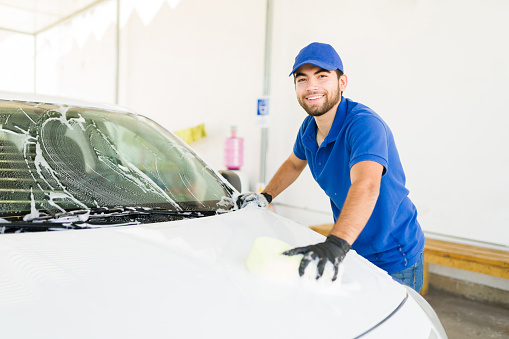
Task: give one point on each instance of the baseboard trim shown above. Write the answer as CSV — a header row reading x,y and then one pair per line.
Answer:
x,y
470,290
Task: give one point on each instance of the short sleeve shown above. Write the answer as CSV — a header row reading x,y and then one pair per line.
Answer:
x,y
368,140
298,147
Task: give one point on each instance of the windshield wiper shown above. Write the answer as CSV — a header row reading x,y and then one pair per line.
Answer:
x,y
84,218
105,212
15,227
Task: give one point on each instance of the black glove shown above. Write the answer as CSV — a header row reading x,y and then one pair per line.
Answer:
x,y
333,249
260,199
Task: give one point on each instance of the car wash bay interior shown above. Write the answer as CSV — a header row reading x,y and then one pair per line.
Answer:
x,y
436,71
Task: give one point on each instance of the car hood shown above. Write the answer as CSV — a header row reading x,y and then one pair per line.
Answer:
x,y
180,279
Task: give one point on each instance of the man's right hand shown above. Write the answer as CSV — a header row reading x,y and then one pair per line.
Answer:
x,y
333,250
257,199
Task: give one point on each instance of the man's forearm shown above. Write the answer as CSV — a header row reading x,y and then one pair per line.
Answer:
x,y
356,211
285,176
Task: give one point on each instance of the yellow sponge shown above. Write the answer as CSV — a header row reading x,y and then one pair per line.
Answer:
x,y
266,259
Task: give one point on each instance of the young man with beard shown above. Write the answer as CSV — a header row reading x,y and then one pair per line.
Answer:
x,y
352,155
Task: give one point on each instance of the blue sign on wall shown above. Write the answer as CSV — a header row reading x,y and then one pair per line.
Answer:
x,y
263,106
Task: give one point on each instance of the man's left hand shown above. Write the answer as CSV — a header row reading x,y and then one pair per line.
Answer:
x,y
257,199
333,250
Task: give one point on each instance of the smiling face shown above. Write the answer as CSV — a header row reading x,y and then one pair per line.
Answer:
x,y
318,90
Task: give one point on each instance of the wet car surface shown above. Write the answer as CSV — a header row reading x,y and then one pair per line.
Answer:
x,y
113,227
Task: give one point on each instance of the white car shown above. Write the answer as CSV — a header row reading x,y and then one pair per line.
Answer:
x,y
112,227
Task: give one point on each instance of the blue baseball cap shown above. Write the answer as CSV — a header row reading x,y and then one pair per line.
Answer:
x,y
318,54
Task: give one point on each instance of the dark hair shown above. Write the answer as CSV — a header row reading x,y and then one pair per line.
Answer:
x,y
339,73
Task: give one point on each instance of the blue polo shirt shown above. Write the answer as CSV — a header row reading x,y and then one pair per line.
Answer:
x,y
392,238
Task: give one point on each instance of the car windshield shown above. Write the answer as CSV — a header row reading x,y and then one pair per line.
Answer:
x,y
55,159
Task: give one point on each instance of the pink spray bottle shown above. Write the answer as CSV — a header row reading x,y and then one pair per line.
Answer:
x,y
233,150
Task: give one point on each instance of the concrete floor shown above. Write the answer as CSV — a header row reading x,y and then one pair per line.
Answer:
x,y
464,319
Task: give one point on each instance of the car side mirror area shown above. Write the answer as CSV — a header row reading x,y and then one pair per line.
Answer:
x,y
233,178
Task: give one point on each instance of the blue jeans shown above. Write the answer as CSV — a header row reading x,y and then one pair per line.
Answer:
x,y
411,276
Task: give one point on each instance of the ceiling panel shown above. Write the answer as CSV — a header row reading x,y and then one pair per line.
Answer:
x,y
33,16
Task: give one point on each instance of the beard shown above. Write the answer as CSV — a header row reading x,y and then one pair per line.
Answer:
x,y
331,99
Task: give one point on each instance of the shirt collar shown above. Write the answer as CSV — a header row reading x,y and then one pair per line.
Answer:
x,y
337,124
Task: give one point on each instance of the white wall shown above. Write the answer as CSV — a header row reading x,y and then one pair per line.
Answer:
x,y
16,62
77,58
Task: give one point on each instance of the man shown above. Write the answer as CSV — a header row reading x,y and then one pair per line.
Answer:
x,y
352,155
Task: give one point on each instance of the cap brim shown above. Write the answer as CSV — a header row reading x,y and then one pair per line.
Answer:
x,y
317,63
